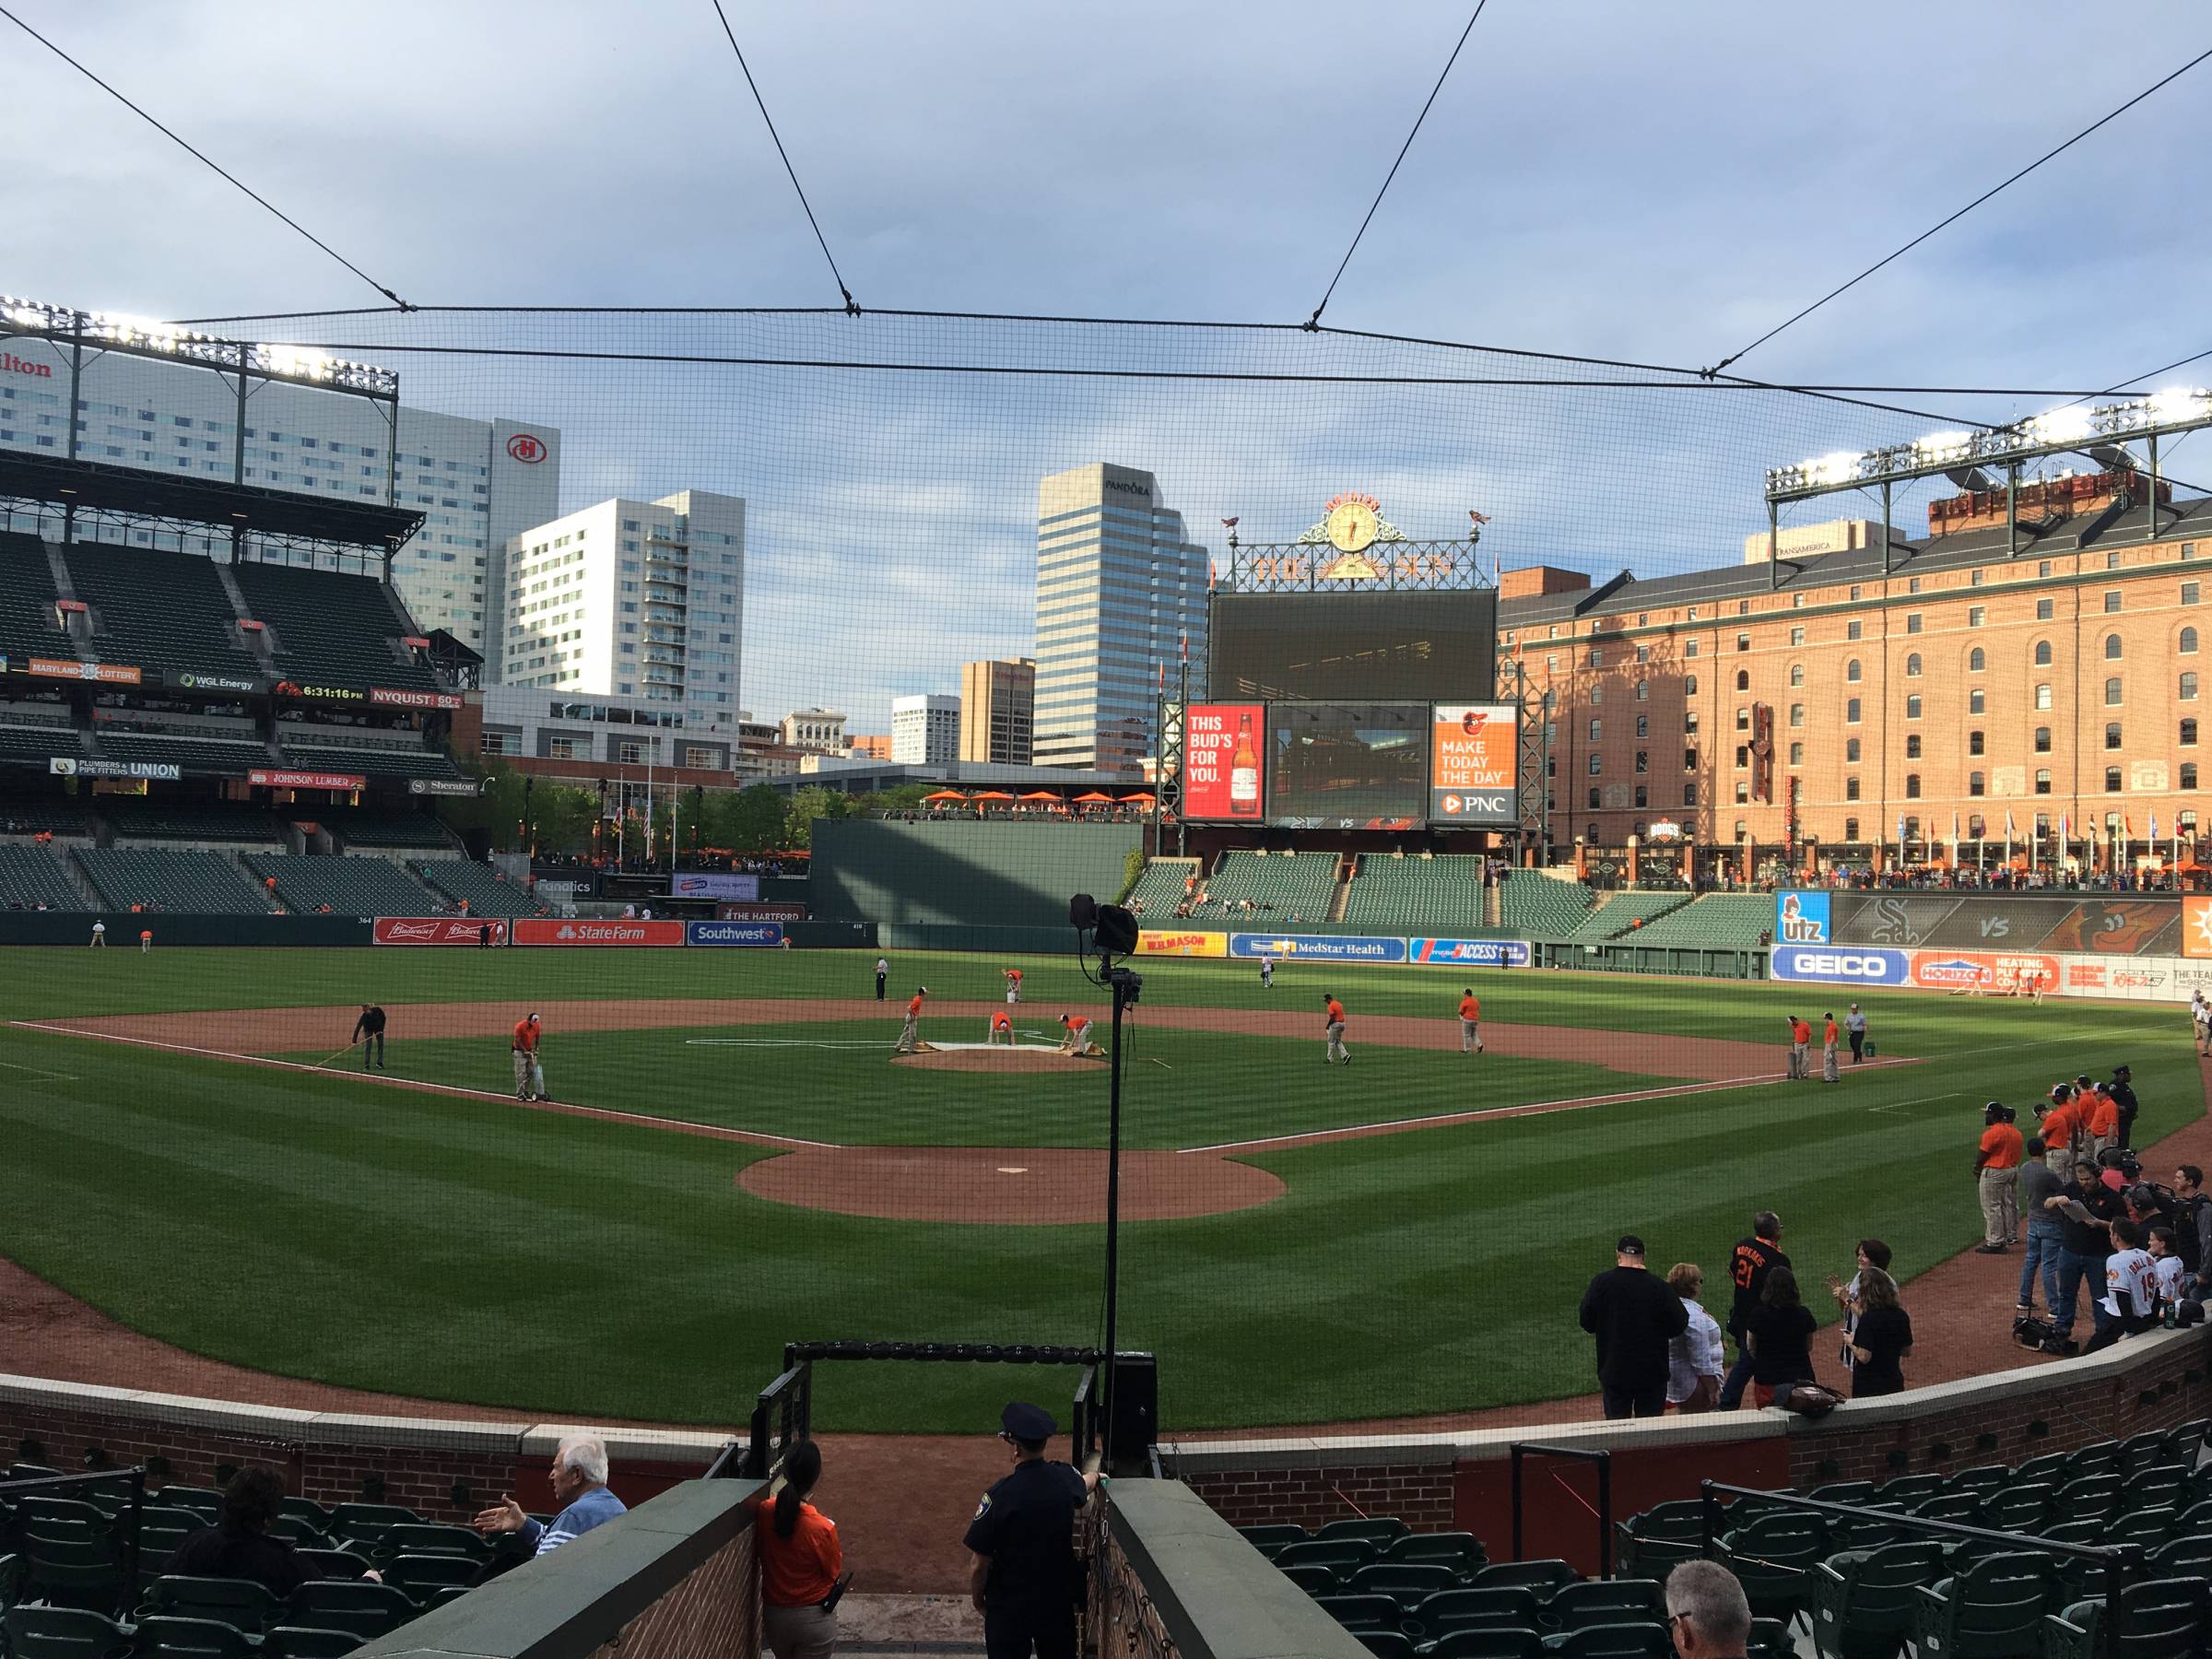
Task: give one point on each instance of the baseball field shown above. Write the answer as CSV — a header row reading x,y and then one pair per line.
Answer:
x,y
733,1159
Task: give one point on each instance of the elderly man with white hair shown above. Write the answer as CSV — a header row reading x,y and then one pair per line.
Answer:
x,y
1707,1613
579,1487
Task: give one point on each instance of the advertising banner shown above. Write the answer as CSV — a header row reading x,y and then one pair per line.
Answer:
x,y
756,934
1223,774
2131,978
1150,943
1317,947
77,766
705,883
1801,918
105,674
1888,919
534,930
216,682
284,778
413,699
445,787
315,691
436,930
1474,756
749,910
2113,927
1983,971
2196,928
1471,953
1842,965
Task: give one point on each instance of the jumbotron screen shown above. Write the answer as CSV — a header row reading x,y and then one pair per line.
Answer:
x,y
1352,647
1347,766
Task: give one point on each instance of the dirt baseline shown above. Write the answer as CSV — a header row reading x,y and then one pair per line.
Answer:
x,y
970,1058
999,1186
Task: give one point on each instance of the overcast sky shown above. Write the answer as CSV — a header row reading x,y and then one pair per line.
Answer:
x,y
1620,179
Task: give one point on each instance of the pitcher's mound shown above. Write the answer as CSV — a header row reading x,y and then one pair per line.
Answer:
x,y
985,1058
1019,1185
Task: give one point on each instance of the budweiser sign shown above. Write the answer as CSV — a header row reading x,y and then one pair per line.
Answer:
x,y
436,930
106,674
284,778
413,699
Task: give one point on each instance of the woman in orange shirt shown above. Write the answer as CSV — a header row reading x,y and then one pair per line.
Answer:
x,y
800,1560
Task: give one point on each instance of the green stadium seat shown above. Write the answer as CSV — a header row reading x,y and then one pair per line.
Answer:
x,y
1865,1491
64,1633
1994,1609
1715,922
1160,889
179,882
1511,1606
158,610
2092,1498
487,892
349,887
1287,891
1462,1552
31,877
364,1523
1486,1642
1357,1612
1314,1579
337,1563
428,1537
203,1502
1406,1582
1651,1543
302,1641
2188,1557
369,826
251,1606
1442,895
28,627
1540,906
1609,1601
2052,1469
161,1529
1342,1557
1381,1532
1962,1508
422,1576
2017,1508
333,627
1617,915
1623,1640
1544,1577
152,820
71,1564
306,1509
361,1607
180,1636
1772,1554
1386,1644
1992,1477
2159,1618
1769,1639
1270,1538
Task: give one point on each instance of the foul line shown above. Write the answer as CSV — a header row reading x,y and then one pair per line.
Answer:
x,y
38,1071
1388,1125
558,1107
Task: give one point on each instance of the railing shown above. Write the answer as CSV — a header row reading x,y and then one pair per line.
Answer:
x,y
782,1417
1603,1460
2120,1561
38,1485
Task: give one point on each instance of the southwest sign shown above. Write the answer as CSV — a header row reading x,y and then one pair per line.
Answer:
x,y
105,674
755,936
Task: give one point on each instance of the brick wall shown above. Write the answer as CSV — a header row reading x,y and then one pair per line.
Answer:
x,y
713,1614
1418,1493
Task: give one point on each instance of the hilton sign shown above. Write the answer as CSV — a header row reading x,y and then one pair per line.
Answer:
x,y
15,365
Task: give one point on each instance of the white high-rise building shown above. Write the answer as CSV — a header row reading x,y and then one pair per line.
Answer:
x,y
632,599
925,731
1118,589
477,483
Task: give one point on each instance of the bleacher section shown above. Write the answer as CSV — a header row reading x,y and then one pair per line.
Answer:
x,y
332,627
158,610
488,895
1159,889
27,597
187,820
205,756
1001,875
31,877
1716,921
33,746
1542,906
350,887
1617,916
371,763
1300,888
1418,895
366,826
186,883
53,818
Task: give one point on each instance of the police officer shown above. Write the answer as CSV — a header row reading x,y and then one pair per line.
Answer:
x,y
2121,1089
1025,1578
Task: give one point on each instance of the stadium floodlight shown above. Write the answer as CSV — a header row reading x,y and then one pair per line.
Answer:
x,y
2070,424
147,336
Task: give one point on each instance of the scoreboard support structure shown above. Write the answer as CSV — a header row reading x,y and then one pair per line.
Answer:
x,y
1532,774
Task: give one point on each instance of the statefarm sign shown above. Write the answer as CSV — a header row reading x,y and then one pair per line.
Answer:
x,y
284,778
537,931
435,930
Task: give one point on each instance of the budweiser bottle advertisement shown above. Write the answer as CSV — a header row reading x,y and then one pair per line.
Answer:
x,y
1244,773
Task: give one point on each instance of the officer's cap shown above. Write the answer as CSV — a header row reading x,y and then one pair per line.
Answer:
x,y
1028,1422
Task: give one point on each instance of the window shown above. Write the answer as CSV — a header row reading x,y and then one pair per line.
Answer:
x,y
2188,693
1796,674
1977,701
1593,797
1853,629
1851,751
2111,602
1974,743
1597,657
2042,568
1851,829
1690,647
1974,784
1743,679
2042,825
1976,615
1797,714
2111,693
2189,733
2042,780
2042,697
2112,734
1597,730
1912,707
1743,607
2186,823
2188,774
1857,593
1913,618
1912,746
1690,795
1975,826
1912,584
1742,720
1743,641
1851,671
1913,667
2189,592
1741,831
1643,725
1643,691
1912,829
1689,759
2186,643
1690,685
1851,788
2043,740
1743,797
2111,648
1596,765
1911,786
1796,636
1643,798
1977,660
1743,756
2111,780
1851,712
1643,760
2043,610
1797,754
2043,653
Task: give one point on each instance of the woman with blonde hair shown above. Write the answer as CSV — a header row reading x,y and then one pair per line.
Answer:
x,y
1693,1375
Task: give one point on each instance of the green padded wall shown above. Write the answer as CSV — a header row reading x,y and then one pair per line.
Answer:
x,y
998,874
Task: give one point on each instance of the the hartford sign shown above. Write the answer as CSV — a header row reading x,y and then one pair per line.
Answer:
x,y
436,930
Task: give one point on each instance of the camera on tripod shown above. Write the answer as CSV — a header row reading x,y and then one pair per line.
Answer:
x,y
1114,932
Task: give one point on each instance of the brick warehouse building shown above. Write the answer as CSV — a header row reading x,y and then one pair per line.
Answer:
x,y
1812,702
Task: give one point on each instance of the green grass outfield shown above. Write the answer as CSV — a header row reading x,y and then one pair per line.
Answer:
x,y
460,1248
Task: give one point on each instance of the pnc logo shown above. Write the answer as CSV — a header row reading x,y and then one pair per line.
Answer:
x,y
526,449
15,365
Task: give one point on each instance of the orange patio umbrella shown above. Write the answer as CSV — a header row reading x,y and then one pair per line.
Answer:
x,y
991,794
1094,799
1046,795
944,795
1136,800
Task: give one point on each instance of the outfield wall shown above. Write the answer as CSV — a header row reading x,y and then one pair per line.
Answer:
x,y
982,873
75,927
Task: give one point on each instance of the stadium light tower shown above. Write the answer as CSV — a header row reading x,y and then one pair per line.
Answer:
x,y
2098,429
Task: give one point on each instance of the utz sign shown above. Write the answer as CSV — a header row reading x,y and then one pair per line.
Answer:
x,y
1802,918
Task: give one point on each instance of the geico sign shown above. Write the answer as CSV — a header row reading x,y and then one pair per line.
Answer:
x,y
1841,964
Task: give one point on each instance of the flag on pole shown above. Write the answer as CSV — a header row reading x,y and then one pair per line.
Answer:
x,y
2154,829
2009,837
1954,838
